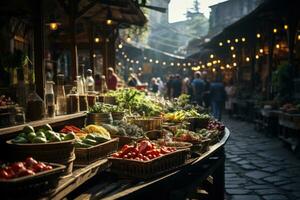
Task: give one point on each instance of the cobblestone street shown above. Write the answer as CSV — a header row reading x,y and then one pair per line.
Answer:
x,y
258,166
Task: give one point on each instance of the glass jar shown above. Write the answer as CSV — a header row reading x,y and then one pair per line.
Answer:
x,y
49,97
35,109
72,103
89,82
80,85
61,100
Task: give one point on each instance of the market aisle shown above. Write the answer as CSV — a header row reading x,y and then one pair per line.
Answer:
x,y
259,167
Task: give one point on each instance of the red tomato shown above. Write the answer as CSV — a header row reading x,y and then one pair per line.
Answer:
x,y
48,167
125,156
129,155
146,158
4,174
30,162
38,167
115,155
150,156
17,167
133,154
26,172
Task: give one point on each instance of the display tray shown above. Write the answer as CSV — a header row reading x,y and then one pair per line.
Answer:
x,y
85,156
29,186
149,169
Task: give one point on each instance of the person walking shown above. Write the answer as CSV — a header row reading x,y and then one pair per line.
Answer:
x,y
206,93
154,85
169,86
198,88
230,92
176,86
161,86
112,80
218,96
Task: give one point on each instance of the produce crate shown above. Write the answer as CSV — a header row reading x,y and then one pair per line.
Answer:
x,y
85,156
148,124
149,169
55,152
125,140
31,186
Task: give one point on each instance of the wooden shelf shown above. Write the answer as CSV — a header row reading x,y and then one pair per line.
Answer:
x,y
57,119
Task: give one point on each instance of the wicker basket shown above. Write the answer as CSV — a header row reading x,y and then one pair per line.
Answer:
x,y
53,152
125,140
85,156
98,118
149,169
30,187
148,124
117,115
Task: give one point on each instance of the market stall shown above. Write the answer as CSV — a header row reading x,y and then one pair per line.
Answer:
x,y
117,151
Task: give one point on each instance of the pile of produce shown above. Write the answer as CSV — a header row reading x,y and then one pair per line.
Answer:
x,y
105,108
183,115
127,129
19,169
5,101
187,136
290,108
216,125
45,134
145,150
136,101
94,135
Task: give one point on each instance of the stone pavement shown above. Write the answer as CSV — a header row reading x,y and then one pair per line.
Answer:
x,y
259,167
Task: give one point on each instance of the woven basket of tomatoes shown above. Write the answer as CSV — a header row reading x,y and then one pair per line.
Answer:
x,y
146,159
28,178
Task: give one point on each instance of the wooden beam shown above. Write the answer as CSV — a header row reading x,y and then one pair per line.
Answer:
x,y
91,46
39,66
73,47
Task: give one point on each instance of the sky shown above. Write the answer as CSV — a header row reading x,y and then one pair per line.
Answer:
x,y
177,8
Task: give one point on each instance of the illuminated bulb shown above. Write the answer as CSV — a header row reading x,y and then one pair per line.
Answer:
x,y
215,62
203,66
123,53
200,62
94,55
298,37
53,26
164,63
172,64
184,69
178,64
150,60
128,39
274,30
120,46
258,35
220,44
233,55
189,64
145,58
222,68
243,39
228,41
277,46
257,56
127,59
261,50
132,61
109,22
228,66
156,61
213,69
119,63
209,64
234,64
184,64
97,40
247,59
137,62
232,48
236,40
219,61
125,56
211,56
286,26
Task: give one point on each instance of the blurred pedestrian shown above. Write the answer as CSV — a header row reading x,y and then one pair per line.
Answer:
x,y
154,85
218,96
230,92
132,82
161,85
198,88
112,79
206,93
176,86
169,85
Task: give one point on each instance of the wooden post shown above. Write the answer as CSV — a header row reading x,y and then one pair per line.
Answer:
x,y
291,34
253,59
73,46
91,46
39,65
270,60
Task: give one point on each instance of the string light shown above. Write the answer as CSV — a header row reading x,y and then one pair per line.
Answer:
x,y
203,66
145,58
127,59
274,30
236,40
228,41
215,62
243,39
164,63
120,46
119,63
137,62
128,39
222,67
219,61
109,22
94,55
247,59
220,44
298,37
228,66
97,40
233,55
232,48
125,56
211,56
285,27
132,61
172,64
156,61
214,69
189,64
257,56
200,62
258,35
150,60
261,50
209,64
184,64
178,64
277,46
234,64
123,53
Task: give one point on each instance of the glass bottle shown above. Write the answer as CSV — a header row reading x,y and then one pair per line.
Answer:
x,y
49,97
80,86
73,100
90,82
35,108
61,101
